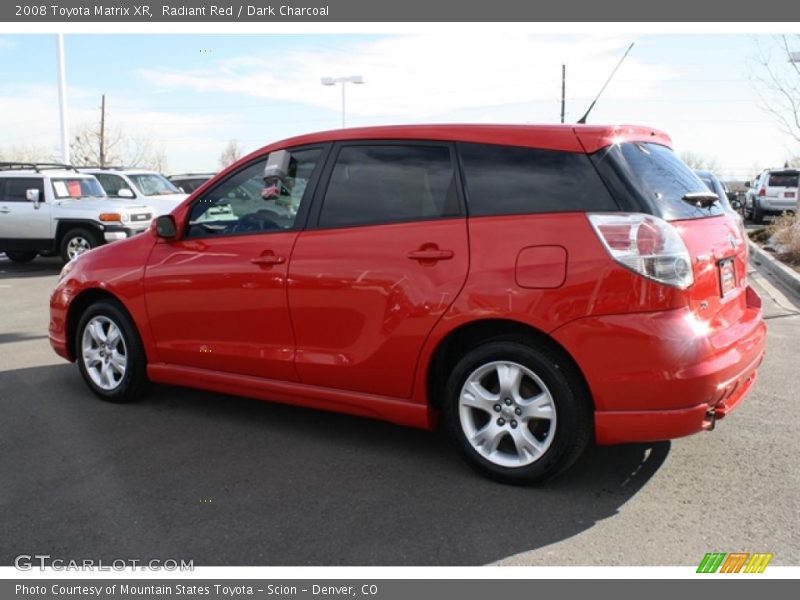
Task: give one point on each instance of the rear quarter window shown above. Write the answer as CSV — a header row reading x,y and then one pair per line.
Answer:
x,y
507,180
657,179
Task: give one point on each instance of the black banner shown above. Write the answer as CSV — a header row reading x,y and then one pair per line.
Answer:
x,y
393,589
337,11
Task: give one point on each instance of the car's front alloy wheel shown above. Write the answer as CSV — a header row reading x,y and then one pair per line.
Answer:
x,y
104,353
109,352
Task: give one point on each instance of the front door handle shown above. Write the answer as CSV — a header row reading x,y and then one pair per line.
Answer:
x,y
268,259
4,210
431,254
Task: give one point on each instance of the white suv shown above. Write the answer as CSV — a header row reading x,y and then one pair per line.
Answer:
x,y
139,185
53,209
773,192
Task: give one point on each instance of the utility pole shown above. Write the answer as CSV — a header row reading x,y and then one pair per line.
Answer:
x,y
103,131
563,89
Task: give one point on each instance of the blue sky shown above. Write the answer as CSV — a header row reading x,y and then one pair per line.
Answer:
x,y
192,93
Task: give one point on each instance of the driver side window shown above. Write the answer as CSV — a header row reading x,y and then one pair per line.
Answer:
x,y
246,203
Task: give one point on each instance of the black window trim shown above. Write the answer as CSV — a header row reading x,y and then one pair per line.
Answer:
x,y
306,203
325,178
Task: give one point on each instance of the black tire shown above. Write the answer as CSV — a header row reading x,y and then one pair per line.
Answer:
x,y
758,214
21,257
569,398
80,236
130,385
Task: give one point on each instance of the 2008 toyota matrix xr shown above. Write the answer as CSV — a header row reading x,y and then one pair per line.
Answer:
x,y
533,287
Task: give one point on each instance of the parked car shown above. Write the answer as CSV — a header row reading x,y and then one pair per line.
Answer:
x,y
50,209
713,183
140,186
532,287
189,182
773,192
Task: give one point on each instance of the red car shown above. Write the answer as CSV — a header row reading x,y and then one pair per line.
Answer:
x,y
533,287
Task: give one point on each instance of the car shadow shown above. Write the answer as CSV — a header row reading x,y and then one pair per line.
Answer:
x,y
222,480
38,267
12,337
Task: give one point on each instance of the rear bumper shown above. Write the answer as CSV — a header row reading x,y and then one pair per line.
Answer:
x,y
615,427
659,376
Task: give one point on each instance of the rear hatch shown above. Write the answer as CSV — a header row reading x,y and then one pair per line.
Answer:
x,y
781,188
713,236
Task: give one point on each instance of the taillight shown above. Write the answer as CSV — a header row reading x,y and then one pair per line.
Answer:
x,y
646,245
762,192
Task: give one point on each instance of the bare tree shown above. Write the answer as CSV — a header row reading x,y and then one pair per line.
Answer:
x,y
792,162
28,153
231,154
775,73
119,148
697,161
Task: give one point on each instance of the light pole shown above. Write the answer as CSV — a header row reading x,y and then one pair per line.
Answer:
x,y
358,79
62,98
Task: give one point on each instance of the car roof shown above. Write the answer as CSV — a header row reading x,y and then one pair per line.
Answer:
x,y
573,138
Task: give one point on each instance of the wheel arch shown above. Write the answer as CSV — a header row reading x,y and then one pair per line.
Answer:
x,y
470,335
79,305
65,225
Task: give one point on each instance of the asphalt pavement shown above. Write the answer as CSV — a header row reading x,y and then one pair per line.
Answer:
x,y
221,480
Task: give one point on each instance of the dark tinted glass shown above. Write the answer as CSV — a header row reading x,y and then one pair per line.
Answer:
x,y
389,183
787,179
112,184
16,188
662,180
503,180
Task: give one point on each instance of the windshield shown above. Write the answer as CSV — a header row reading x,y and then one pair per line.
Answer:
x,y
153,184
662,180
77,187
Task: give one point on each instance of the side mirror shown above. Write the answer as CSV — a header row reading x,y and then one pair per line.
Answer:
x,y
125,193
32,195
736,204
748,184
165,227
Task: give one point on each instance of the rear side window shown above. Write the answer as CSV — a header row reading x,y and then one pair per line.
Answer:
x,y
786,179
388,183
661,180
16,188
506,180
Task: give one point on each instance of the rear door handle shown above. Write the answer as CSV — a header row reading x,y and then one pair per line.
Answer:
x,y
4,210
268,259
431,254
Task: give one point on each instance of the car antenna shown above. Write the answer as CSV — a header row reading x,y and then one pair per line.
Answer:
x,y
582,120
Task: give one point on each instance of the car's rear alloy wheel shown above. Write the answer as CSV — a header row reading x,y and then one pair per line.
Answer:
x,y
109,352
507,413
519,413
20,256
